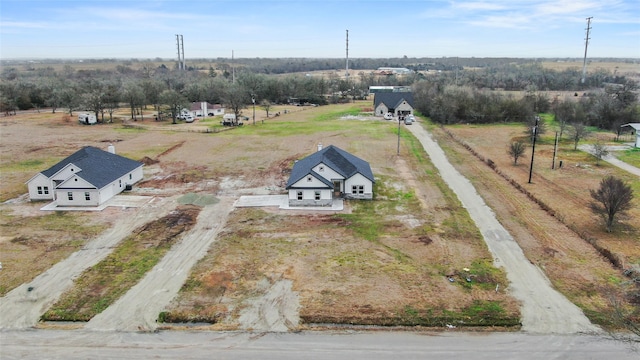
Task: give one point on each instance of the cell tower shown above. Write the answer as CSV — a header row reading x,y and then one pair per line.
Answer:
x,y
586,44
347,66
180,43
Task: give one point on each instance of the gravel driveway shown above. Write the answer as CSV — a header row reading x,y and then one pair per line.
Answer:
x,y
544,310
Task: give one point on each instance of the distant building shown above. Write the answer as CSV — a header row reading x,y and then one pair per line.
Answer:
x,y
392,71
88,177
203,108
397,103
635,129
330,172
379,89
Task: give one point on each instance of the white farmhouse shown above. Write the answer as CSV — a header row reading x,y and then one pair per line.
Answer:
x,y
396,103
88,177
328,173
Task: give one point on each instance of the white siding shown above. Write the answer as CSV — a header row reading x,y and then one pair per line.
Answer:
x,y
40,188
358,180
305,183
327,172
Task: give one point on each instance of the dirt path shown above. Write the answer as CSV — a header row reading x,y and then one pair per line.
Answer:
x,y
22,307
138,309
275,311
544,310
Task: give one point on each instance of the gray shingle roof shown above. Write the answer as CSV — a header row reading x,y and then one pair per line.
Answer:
x,y
392,99
337,159
99,167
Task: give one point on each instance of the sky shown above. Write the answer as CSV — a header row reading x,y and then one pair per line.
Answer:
x,y
147,29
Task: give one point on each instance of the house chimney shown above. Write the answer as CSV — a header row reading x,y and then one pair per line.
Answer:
x,y
319,146
111,149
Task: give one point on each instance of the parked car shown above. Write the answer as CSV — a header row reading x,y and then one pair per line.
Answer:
x,y
408,121
188,118
388,116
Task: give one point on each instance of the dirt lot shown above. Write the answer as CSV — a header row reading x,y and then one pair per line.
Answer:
x,y
400,271
384,264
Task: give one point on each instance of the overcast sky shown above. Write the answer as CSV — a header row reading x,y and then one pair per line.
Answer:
x,y
317,29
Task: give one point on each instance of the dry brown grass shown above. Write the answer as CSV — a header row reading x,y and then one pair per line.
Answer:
x,y
557,244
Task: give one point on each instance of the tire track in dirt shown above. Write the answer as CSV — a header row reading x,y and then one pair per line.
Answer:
x,y
22,307
139,308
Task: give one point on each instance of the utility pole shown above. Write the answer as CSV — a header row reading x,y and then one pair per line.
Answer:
x,y
533,150
184,67
586,44
233,69
346,74
253,100
178,44
555,151
398,152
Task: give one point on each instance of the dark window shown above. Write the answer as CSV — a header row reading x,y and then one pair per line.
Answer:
x,y
46,190
299,195
317,195
70,196
87,196
39,190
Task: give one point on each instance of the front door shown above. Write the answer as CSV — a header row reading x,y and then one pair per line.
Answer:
x,y
337,188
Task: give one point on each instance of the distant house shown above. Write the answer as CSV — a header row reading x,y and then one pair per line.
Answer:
x,y
635,129
328,173
88,177
397,103
203,109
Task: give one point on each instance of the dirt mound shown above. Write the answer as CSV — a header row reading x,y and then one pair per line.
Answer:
x,y
148,161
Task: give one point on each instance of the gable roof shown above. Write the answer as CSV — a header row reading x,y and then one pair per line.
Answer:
x,y
337,159
98,167
635,126
392,99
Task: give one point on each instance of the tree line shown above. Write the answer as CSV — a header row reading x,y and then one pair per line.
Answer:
x,y
452,93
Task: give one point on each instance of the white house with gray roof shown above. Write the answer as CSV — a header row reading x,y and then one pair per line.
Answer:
x,y
330,172
397,103
89,177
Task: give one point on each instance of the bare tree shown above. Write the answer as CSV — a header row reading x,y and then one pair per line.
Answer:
x,y
266,106
175,101
516,150
599,150
611,199
578,132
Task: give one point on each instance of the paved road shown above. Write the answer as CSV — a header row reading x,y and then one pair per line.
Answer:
x,y
83,344
612,159
544,310
22,307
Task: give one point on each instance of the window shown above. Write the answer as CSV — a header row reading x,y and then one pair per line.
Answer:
x,y
130,176
361,189
46,190
87,196
70,196
120,182
317,195
354,189
309,179
357,189
299,195
39,190
321,168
